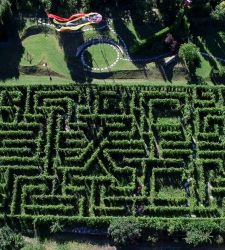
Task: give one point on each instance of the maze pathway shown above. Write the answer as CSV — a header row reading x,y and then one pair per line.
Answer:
x,y
76,153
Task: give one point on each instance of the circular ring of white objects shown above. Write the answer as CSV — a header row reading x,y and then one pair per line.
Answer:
x,y
105,68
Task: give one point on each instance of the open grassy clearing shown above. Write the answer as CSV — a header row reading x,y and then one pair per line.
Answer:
x,y
102,55
44,80
35,80
42,48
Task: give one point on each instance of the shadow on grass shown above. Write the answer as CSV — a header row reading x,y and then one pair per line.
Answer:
x,y
70,42
11,54
215,44
145,29
169,70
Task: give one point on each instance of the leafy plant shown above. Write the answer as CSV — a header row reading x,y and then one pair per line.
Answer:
x,y
9,240
56,227
35,246
199,232
125,231
189,53
219,13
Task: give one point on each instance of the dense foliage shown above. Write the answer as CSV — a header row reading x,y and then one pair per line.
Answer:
x,y
219,13
125,231
9,240
98,156
190,55
84,155
4,9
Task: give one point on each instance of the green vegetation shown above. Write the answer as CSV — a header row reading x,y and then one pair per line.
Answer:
x,y
102,55
71,245
219,13
125,231
132,146
189,53
10,240
41,48
133,153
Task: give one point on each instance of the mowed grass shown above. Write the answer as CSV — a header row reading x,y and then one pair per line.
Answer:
x,y
204,69
35,80
212,43
102,55
43,48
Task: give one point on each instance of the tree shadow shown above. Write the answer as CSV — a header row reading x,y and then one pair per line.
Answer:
x,y
169,70
144,28
11,52
212,61
122,30
215,44
70,42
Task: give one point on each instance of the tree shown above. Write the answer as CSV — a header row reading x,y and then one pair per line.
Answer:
x,y
198,4
219,13
169,9
4,9
190,55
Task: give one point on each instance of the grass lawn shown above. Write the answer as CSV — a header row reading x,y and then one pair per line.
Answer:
x,y
44,48
44,80
205,68
102,55
211,42
41,48
35,80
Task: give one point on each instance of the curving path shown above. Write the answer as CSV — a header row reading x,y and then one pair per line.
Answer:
x,y
121,48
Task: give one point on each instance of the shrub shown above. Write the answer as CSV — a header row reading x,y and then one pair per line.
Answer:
x,y
10,240
125,231
199,232
197,237
56,227
189,53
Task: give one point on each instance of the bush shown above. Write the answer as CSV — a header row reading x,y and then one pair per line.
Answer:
x,y
125,231
9,240
189,53
200,232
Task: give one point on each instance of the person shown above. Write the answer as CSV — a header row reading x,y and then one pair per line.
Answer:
x,y
139,189
187,186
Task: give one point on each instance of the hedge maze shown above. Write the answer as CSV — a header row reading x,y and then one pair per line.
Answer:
x,y
101,151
